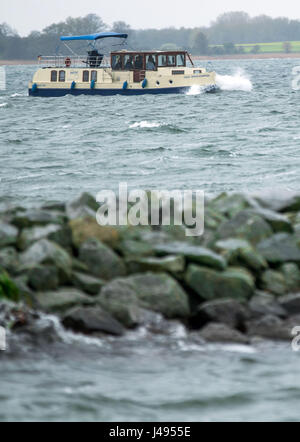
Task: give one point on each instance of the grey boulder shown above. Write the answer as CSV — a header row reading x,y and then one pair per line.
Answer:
x,y
92,320
125,297
226,311
37,217
60,301
192,253
245,225
101,261
87,283
60,234
8,235
271,327
81,207
49,253
291,303
234,283
280,249
42,278
221,333
9,260
265,304
280,201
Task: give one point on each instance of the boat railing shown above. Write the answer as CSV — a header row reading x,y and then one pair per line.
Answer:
x,y
78,61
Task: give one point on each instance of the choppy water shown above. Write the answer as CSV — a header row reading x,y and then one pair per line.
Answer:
x,y
144,377
245,137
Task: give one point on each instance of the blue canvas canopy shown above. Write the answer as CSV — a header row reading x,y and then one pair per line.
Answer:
x,y
93,37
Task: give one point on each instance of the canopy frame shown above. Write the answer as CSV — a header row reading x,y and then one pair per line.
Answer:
x,y
94,37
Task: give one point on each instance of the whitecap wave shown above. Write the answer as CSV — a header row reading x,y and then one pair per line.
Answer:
x,y
196,90
3,104
239,81
145,124
238,348
68,336
18,95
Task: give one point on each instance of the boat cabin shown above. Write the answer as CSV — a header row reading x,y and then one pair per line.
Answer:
x,y
147,61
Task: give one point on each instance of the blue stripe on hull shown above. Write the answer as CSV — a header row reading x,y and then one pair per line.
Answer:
x,y
107,92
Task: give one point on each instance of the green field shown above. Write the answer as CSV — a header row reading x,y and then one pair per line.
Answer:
x,y
266,48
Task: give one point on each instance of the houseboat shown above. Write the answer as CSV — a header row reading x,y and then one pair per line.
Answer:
x,y
124,73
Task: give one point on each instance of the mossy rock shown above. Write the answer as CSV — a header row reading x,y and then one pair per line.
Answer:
x,y
192,253
274,282
245,225
291,273
213,219
47,253
241,252
230,205
8,290
123,298
171,264
37,217
101,261
60,301
81,207
280,249
88,228
132,247
234,283
278,221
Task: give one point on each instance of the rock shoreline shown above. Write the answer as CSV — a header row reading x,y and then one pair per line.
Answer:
x,y
238,282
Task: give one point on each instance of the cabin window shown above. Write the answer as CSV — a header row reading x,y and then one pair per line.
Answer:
x,y
171,60
198,71
86,76
53,76
150,63
178,72
139,62
162,60
180,60
128,62
62,76
94,76
117,62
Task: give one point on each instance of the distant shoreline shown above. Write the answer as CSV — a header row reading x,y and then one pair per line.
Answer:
x,y
247,56
195,57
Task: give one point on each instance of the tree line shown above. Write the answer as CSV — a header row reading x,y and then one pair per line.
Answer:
x,y
224,36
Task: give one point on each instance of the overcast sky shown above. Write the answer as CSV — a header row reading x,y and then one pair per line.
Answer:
x,y
28,15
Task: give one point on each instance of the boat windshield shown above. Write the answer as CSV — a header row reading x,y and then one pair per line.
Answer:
x,y
130,61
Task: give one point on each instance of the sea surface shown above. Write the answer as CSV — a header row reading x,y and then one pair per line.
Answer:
x,y
245,137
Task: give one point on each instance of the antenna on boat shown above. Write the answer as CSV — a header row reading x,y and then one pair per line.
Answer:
x,y
70,49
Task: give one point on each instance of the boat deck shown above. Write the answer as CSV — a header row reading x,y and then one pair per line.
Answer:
x,y
76,61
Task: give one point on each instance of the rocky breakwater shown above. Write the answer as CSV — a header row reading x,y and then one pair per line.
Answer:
x,y
238,282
